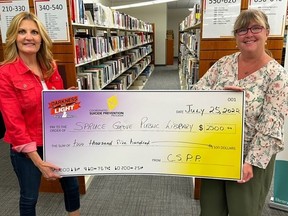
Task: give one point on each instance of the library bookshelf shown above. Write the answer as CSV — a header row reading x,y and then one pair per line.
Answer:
x,y
197,54
189,40
111,50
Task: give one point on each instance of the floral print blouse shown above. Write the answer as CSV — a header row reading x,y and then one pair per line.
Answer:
x,y
266,94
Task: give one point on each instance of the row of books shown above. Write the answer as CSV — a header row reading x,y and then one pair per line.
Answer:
x,y
192,19
191,41
141,80
189,67
125,21
125,80
88,48
98,76
91,12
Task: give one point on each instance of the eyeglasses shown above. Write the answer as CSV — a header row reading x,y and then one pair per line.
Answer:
x,y
253,29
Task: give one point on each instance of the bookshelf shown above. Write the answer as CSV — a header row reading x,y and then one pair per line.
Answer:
x,y
112,50
189,49
189,56
197,54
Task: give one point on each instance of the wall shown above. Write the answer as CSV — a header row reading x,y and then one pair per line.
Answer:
x,y
156,14
103,2
163,19
174,18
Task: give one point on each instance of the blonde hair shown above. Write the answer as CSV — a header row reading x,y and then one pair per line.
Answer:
x,y
246,16
44,55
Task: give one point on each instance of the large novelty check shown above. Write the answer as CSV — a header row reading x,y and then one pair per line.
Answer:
x,y
187,133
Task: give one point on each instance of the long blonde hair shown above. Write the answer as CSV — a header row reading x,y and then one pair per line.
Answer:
x,y
44,55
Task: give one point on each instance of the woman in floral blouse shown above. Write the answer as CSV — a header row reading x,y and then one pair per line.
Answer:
x,y
265,83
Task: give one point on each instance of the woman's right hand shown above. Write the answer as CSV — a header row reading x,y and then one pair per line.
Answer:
x,y
47,169
234,88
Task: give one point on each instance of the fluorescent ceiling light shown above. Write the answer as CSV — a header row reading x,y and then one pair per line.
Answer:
x,y
140,4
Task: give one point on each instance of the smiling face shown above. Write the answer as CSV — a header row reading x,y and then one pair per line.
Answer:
x,y
28,39
254,40
251,30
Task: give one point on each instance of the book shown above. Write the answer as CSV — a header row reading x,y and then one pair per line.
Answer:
x,y
72,10
96,77
81,11
104,75
85,80
88,18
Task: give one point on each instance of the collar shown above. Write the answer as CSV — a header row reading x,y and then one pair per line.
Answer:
x,y
21,67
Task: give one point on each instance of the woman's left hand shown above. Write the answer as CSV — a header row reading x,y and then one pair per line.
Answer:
x,y
247,173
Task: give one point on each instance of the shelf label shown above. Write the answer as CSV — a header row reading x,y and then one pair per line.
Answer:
x,y
53,14
219,17
183,133
276,12
9,9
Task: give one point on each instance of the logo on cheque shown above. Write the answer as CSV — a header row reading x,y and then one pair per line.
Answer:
x,y
63,106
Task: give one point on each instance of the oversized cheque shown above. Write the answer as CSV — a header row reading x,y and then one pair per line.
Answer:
x,y
187,133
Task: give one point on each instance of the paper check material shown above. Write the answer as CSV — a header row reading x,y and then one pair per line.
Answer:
x,y
185,133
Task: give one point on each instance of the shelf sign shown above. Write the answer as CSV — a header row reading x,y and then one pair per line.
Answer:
x,y
219,17
9,9
53,14
276,12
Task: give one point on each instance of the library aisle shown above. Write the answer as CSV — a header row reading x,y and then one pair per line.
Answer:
x,y
118,195
164,78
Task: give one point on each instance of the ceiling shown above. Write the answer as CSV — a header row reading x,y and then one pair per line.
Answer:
x,y
180,4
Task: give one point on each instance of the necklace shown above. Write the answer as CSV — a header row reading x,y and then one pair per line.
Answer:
x,y
250,68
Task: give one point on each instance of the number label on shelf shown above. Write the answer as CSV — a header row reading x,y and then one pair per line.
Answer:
x,y
8,10
53,14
